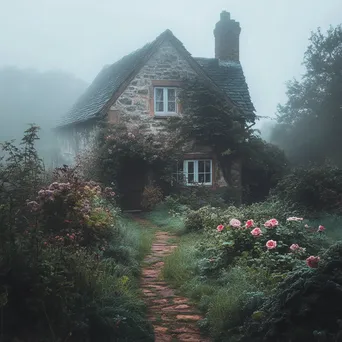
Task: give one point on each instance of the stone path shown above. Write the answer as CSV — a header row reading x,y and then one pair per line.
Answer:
x,y
173,317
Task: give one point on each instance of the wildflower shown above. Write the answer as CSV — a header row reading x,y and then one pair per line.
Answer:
x,y
271,223
256,232
235,223
45,243
295,219
54,186
306,226
249,223
321,229
33,205
67,221
271,244
220,227
294,247
312,261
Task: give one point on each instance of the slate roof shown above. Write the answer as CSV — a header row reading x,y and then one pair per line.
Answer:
x,y
103,87
228,76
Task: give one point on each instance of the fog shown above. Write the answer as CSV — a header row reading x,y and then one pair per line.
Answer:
x,y
81,36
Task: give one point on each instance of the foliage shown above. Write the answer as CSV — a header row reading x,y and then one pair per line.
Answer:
x,y
132,142
195,197
295,311
210,120
309,126
263,165
168,219
312,190
151,196
68,268
231,267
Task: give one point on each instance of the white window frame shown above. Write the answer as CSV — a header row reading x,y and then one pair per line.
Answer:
x,y
165,101
195,161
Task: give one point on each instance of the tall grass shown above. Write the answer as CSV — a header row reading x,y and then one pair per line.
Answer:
x,y
162,218
221,299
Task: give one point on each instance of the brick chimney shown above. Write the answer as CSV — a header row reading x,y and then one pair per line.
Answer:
x,y
227,34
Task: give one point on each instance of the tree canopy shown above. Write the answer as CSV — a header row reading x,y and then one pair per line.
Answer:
x,y
309,124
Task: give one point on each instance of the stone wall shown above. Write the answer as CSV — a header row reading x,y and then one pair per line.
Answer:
x,y
165,65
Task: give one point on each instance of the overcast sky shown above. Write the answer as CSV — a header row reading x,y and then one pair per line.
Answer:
x,y
80,36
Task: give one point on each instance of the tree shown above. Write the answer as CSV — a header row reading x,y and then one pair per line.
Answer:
x,y
309,125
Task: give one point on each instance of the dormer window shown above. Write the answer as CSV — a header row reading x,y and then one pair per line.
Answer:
x,y
165,101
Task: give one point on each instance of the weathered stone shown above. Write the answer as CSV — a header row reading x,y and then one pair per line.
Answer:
x,y
125,101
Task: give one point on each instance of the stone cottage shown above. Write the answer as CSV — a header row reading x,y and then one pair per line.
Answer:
x,y
146,83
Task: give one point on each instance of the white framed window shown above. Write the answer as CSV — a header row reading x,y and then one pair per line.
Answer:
x,y
198,172
165,100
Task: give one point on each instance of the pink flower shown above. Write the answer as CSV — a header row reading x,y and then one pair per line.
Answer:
x,y
294,247
295,219
220,227
271,223
312,261
45,243
256,232
249,223
321,229
235,223
271,244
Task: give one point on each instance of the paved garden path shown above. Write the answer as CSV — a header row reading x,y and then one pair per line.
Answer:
x,y
173,317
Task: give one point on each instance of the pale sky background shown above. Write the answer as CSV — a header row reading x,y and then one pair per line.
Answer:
x,y
81,36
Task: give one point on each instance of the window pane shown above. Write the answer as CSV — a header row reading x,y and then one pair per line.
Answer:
x,y
207,166
201,178
200,166
190,177
159,100
171,107
190,167
159,94
207,178
159,106
171,95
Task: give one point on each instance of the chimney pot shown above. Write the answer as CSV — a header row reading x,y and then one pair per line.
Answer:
x,y
227,36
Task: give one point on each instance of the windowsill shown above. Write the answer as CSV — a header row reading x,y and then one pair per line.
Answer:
x,y
165,115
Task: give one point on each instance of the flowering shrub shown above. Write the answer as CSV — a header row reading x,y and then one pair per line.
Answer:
x,y
269,242
294,311
57,270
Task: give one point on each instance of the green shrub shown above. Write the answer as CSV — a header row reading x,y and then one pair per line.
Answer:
x,y
152,195
193,222
304,306
68,267
312,190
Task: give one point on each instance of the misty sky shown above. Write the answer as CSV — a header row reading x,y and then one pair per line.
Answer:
x,y
80,36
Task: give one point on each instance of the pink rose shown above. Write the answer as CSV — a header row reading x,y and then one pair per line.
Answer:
x,y
312,261
295,219
294,247
271,223
256,232
235,223
220,227
271,244
249,223
321,229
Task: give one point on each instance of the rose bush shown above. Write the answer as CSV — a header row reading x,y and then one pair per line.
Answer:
x,y
262,241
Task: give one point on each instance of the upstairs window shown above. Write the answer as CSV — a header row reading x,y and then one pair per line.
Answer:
x,y
165,101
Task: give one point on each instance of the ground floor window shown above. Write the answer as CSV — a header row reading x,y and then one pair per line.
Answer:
x,y
192,172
